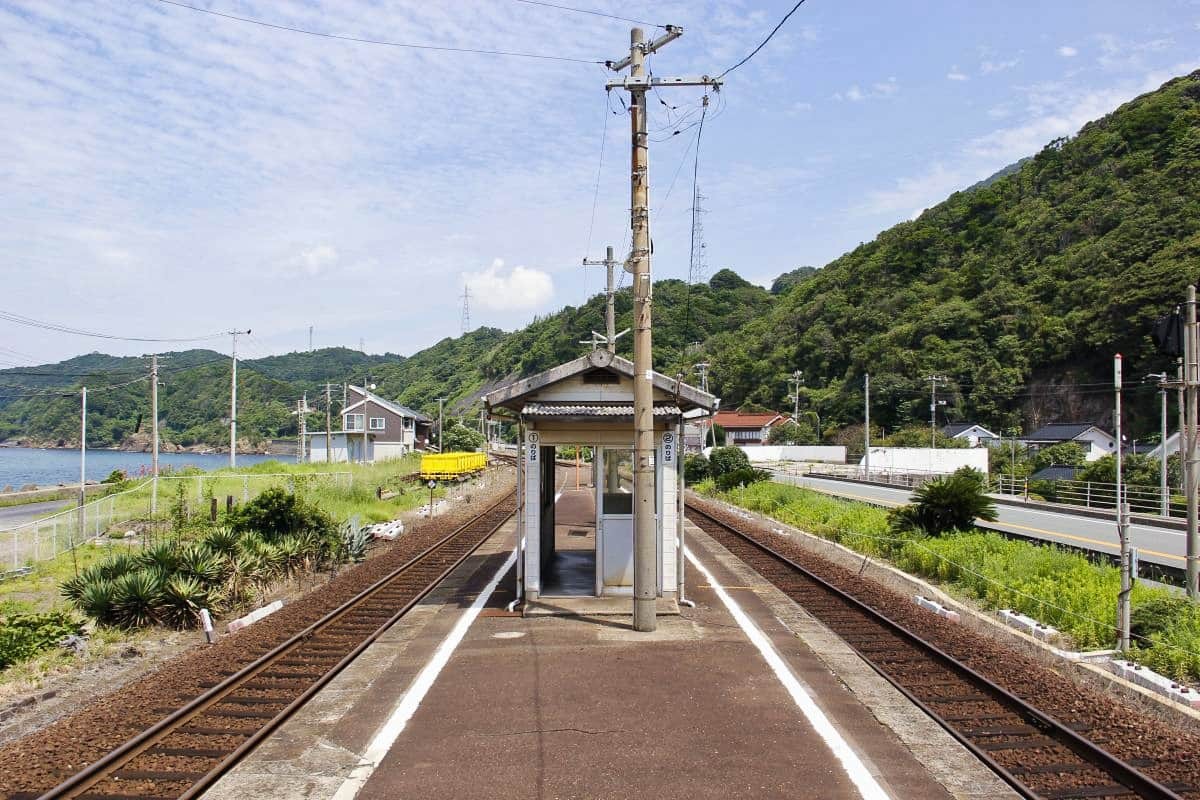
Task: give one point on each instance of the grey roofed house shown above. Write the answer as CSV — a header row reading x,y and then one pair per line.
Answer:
x,y
1095,441
1056,472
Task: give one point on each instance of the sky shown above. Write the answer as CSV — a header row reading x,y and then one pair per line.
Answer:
x,y
172,174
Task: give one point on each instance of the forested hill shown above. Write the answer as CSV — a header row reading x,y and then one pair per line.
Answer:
x,y
1020,291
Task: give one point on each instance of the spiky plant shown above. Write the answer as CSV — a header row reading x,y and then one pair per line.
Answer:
x,y
182,598
199,562
137,597
163,557
73,588
355,541
246,574
291,554
98,601
946,504
222,541
116,566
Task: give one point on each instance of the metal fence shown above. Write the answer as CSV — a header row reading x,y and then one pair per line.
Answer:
x,y
188,496
1147,500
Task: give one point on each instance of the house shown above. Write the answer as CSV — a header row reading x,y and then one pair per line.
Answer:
x,y
1095,442
746,427
373,429
1172,447
973,432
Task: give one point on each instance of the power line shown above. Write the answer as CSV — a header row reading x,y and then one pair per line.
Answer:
x,y
384,43
763,44
20,319
596,193
588,11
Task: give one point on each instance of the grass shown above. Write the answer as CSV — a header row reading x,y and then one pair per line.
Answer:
x,y
1053,585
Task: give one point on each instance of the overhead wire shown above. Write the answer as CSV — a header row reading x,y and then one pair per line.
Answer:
x,y
380,42
20,319
591,12
763,43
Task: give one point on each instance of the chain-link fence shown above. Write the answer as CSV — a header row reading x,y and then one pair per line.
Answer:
x,y
176,498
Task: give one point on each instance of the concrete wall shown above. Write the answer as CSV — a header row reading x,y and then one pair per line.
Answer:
x,y
826,454
925,459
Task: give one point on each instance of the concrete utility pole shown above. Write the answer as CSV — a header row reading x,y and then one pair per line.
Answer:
x,y
867,424
302,415
366,417
82,461
933,404
1122,520
1181,402
233,400
610,312
1164,498
796,381
702,371
328,423
645,549
154,435
1191,354
441,407
310,331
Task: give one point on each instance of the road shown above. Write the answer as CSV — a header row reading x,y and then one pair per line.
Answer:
x,y
12,516
1162,546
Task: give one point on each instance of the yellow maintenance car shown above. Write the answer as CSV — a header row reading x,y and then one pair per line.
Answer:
x,y
451,466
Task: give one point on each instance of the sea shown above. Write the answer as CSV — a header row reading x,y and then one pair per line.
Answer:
x,y
20,466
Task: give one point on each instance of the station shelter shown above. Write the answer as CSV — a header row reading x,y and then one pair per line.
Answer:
x,y
587,404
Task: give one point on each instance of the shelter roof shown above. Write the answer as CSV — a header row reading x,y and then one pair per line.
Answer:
x,y
514,395
606,410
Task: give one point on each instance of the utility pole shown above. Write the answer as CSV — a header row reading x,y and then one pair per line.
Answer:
x,y
610,313
1181,402
1164,500
441,406
154,434
1191,348
82,460
645,549
466,311
1122,520
867,424
310,332
328,424
796,381
702,371
302,417
233,401
933,404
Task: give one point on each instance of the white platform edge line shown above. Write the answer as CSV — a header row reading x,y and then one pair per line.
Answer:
x,y
383,740
854,767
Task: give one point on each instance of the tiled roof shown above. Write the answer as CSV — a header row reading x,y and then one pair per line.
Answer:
x,y
736,419
591,410
1060,431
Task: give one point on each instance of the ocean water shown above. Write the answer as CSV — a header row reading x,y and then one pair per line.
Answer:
x,y
23,465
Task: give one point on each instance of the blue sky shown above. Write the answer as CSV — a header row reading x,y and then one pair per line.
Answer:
x,y
169,173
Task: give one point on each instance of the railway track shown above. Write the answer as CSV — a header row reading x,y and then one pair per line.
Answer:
x,y
1036,754
200,738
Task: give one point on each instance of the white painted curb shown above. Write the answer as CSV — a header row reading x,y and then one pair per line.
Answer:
x,y
936,608
253,617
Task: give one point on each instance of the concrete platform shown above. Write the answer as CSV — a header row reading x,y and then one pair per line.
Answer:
x,y
743,696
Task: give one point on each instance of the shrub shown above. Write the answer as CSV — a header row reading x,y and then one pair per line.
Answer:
x,y
741,478
1156,615
945,504
276,513
163,557
223,541
117,476
727,459
23,636
198,562
98,600
181,599
458,438
695,468
137,597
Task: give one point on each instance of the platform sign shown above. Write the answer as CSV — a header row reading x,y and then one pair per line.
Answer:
x,y
668,444
531,447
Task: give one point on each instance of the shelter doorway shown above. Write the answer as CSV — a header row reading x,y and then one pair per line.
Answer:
x,y
569,533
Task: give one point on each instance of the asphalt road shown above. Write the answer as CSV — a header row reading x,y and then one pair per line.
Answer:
x,y
1163,546
11,516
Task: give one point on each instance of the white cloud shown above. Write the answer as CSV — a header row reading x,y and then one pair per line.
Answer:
x,y
857,94
1066,51
314,260
800,108
519,289
886,88
990,67
912,195
955,74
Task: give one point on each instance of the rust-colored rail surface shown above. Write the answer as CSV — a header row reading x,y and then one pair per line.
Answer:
x,y
1038,754
197,738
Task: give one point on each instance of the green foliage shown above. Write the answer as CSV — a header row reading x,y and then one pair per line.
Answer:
x,y
917,435
137,597
787,280
801,432
117,476
23,636
1136,469
461,439
275,513
723,460
941,505
181,599
741,477
1065,454
695,468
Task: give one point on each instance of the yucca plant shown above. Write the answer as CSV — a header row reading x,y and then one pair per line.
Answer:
x,y
222,541
354,542
98,600
181,600
73,588
291,554
246,573
198,562
116,566
946,504
163,557
137,597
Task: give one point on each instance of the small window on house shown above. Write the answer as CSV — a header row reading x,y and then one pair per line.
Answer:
x,y
377,423
408,423
353,422
601,376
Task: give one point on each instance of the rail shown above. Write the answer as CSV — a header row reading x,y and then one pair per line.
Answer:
x,y
887,646
316,642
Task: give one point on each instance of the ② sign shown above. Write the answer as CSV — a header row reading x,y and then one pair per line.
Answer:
x,y
668,443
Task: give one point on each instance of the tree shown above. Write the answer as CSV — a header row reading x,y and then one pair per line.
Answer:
x,y
458,438
792,433
727,459
1063,454
695,468
951,503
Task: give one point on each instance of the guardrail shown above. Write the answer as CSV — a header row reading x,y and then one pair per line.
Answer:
x,y
187,495
1147,500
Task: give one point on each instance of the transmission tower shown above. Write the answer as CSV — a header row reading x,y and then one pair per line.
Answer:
x,y
466,311
698,260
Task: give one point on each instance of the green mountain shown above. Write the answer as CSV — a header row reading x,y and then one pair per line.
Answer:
x,y
1018,291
